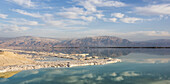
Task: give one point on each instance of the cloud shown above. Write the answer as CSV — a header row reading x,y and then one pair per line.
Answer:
x,y
75,22
56,23
51,21
89,12
72,13
44,17
157,60
90,75
130,73
99,78
87,5
113,33
17,21
131,19
125,74
160,9
76,13
36,15
105,3
118,15
61,23
149,60
142,35
88,18
99,16
24,3
4,16
76,10
91,5
74,28
147,33
66,24
156,1
113,19
113,74
12,28
120,78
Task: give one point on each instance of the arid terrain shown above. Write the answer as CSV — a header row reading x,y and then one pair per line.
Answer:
x,y
98,41
18,60
10,58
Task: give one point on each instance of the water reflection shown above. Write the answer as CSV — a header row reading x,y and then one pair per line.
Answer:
x,y
105,52
145,58
122,73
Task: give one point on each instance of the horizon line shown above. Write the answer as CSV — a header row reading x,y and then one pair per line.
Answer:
x,y
111,47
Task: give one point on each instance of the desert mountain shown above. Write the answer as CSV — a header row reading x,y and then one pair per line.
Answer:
x,y
154,43
28,41
99,41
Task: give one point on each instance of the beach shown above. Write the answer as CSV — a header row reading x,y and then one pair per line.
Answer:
x,y
18,60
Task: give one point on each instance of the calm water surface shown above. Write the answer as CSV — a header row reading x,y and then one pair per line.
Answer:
x,y
138,66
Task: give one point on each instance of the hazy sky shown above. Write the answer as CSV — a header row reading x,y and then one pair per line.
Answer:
x,y
131,19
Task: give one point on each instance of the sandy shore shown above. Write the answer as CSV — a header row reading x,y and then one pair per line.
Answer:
x,y
11,61
9,58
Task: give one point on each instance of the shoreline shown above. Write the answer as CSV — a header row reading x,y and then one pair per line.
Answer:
x,y
75,60
119,47
61,64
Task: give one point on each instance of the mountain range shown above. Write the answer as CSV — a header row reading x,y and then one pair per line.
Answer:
x,y
98,41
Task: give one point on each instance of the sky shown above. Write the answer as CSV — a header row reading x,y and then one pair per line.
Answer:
x,y
136,20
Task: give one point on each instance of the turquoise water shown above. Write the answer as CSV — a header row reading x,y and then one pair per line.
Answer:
x,y
137,67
